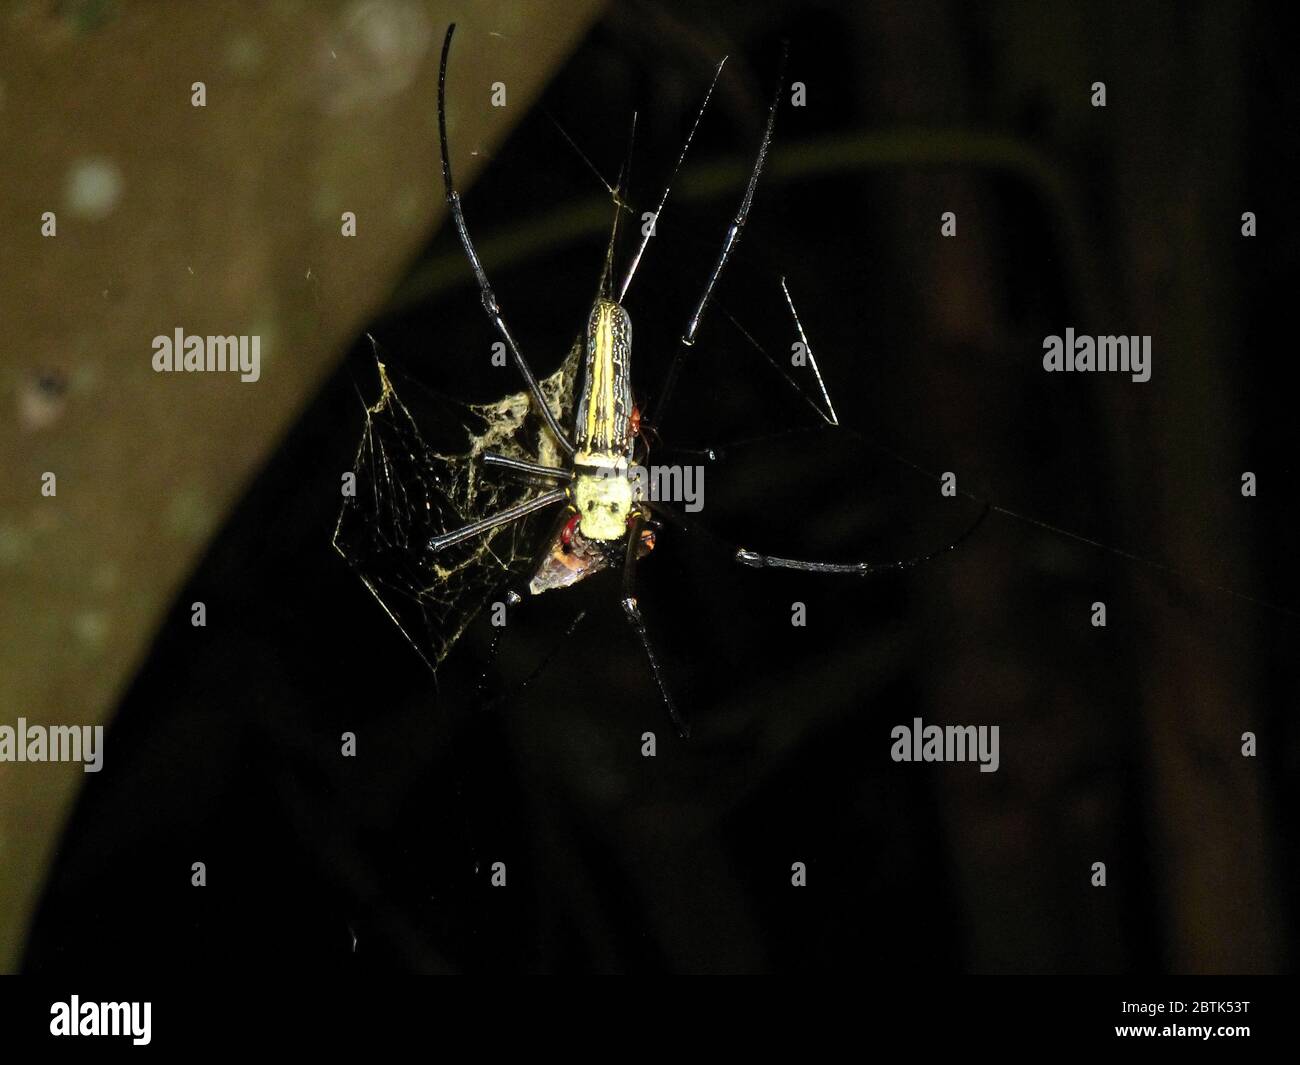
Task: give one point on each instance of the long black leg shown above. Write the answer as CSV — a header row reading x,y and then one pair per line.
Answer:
x,y
528,469
829,413
729,243
476,528
485,288
861,569
645,236
825,410
624,179
633,612
542,665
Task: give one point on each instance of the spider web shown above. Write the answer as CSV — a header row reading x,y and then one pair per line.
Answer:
x,y
406,492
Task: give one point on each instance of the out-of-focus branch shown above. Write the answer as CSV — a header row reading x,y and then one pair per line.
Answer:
x,y
223,219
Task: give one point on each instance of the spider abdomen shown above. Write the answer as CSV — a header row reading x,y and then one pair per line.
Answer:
x,y
605,406
602,490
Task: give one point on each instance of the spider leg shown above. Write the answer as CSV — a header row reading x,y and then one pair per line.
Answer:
x,y
526,469
645,236
542,664
829,414
492,521
624,178
633,612
729,243
485,288
824,409
860,569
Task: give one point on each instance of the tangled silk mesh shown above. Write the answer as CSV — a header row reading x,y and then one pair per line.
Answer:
x,y
407,492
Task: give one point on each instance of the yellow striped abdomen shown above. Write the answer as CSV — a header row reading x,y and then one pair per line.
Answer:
x,y
606,403
602,493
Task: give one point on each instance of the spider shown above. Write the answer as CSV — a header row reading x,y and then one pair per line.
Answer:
x,y
432,533
603,514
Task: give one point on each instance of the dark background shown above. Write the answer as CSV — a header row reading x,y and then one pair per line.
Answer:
x,y
1119,745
